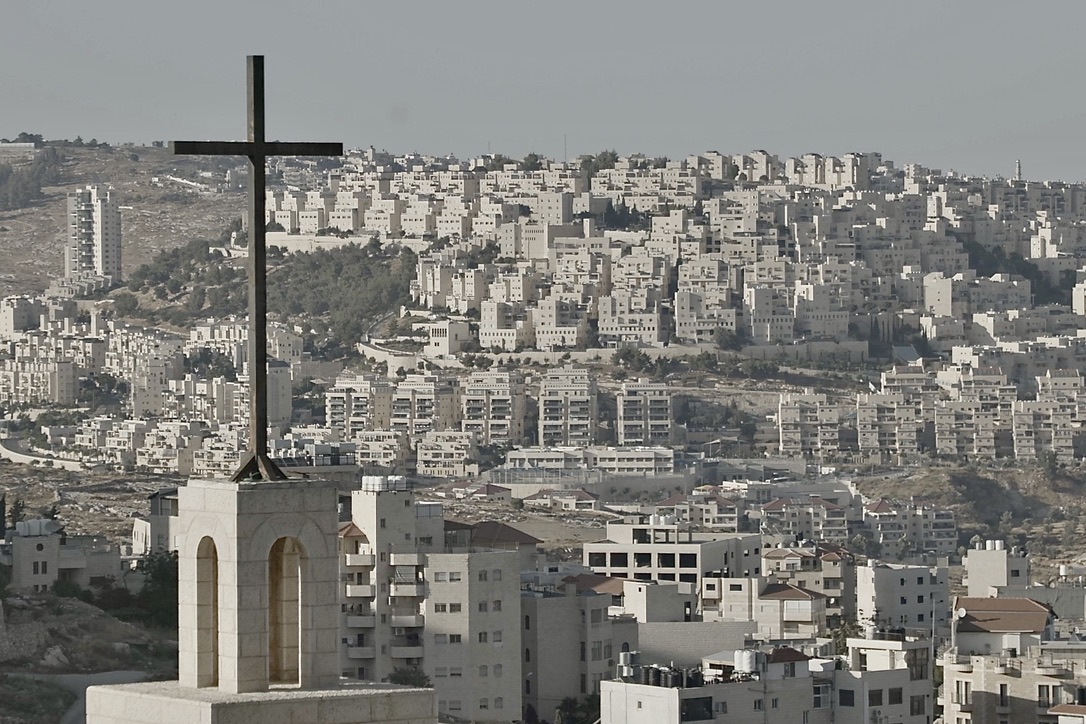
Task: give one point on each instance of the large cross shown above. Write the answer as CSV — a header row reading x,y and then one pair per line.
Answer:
x,y
257,464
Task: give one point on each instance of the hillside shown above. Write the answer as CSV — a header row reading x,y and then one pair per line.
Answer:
x,y
153,218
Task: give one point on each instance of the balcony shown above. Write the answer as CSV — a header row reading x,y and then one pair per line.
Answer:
x,y
406,559
360,559
1050,668
360,590
408,620
361,621
408,589
361,652
405,652
962,664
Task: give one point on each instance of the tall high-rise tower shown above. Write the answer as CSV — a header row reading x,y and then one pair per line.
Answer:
x,y
94,234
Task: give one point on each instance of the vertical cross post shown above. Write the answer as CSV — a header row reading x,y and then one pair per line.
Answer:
x,y
257,464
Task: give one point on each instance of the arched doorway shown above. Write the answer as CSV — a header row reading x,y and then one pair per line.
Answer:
x,y
284,611
207,613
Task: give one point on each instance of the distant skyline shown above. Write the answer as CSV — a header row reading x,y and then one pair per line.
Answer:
x,y
970,85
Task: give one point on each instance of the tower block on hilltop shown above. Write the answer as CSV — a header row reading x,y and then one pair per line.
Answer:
x,y
258,599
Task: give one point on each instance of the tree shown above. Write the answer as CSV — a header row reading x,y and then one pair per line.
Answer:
x,y
531,162
18,511
159,593
410,676
3,515
196,299
125,304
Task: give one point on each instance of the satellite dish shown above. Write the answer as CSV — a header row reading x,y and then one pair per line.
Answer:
x,y
961,613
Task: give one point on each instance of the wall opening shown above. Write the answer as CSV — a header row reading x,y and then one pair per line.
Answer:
x,y
207,613
284,611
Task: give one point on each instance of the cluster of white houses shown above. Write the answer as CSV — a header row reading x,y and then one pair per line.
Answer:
x,y
958,411
664,622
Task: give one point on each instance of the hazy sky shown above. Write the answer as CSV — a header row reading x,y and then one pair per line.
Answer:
x,y
965,85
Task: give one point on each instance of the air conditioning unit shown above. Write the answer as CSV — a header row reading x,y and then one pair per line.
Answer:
x,y
398,631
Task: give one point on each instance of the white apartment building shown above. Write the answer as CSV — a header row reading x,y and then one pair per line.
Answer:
x,y
94,234
358,403
422,403
493,407
898,595
901,528
644,413
809,424
568,408
447,454
824,568
39,554
571,643
805,518
990,566
656,548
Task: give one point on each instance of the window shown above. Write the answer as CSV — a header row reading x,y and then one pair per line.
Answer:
x,y
499,703
920,580
440,672
482,606
527,654
482,637
775,703
496,606
455,638
904,601
454,705
790,670
757,705
35,568
1048,695
963,692
582,651
484,704
497,575
527,623
874,697
382,522
456,672
407,536
527,686
454,577
440,577
44,567
847,697
920,618
496,637
482,575
440,639
895,696
440,608
822,696
483,671
917,705
455,608
597,650
497,671
1004,695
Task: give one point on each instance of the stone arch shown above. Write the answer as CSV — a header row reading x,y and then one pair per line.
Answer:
x,y
207,613
286,574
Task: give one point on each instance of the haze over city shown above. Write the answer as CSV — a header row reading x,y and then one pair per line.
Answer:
x,y
970,86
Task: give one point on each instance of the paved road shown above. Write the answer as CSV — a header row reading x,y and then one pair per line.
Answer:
x,y
78,683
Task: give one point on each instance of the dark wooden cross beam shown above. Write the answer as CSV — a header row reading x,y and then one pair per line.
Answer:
x,y
257,464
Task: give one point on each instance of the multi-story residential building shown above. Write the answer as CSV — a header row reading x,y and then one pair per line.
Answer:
x,y
571,642
990,566
656,548
39,554
1005,664
889,425
644,413
899,595
94,234
473,634
781,611
805,518
358,403
493,407
824,568
384,584
900,528
451,454
704,507
809,424
568,408
422,403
